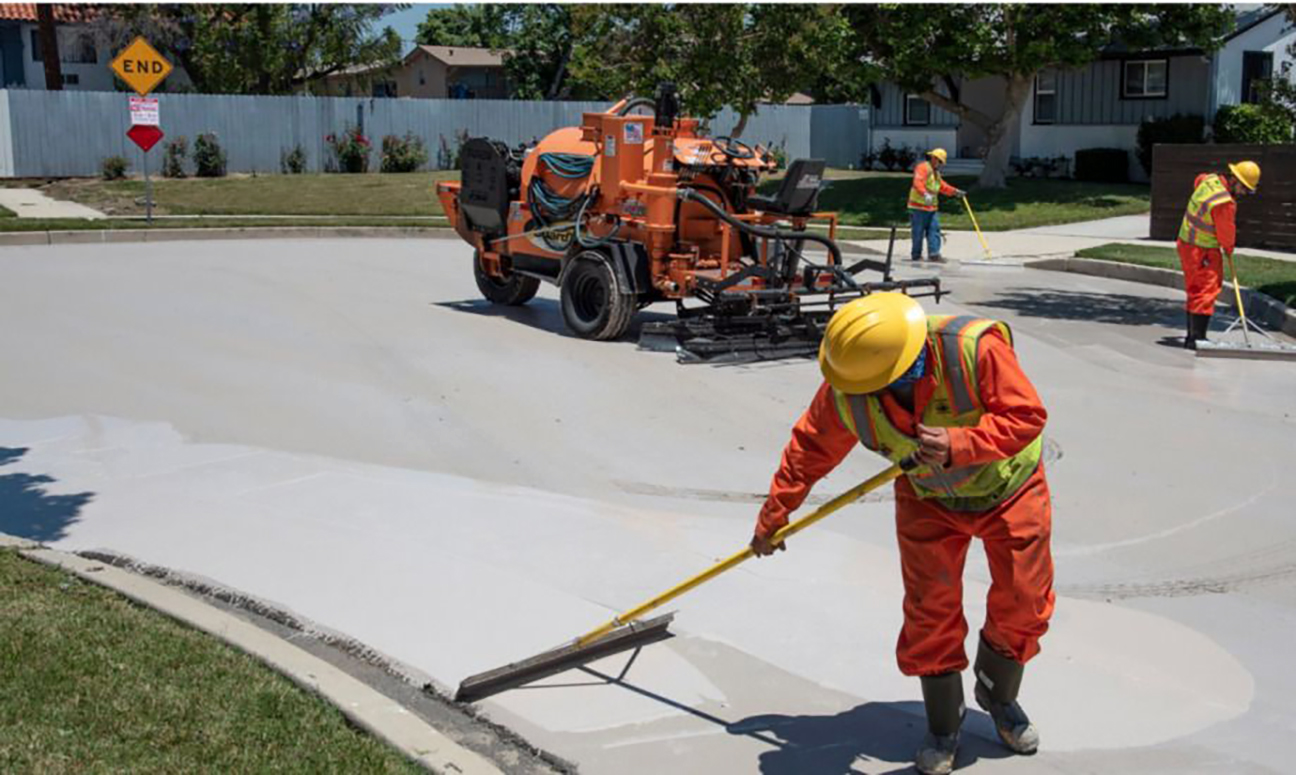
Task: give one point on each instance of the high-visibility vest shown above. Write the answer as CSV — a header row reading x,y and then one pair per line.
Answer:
x,y
1198,226
955,403
933,185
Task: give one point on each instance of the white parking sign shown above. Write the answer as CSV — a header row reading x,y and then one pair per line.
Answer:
x,y
144,111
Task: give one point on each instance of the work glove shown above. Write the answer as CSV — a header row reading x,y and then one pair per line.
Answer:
x,y
929,199
960,193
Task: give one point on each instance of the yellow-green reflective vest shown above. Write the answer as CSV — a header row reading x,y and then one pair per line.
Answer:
x,y
933,186
956,403
1198,227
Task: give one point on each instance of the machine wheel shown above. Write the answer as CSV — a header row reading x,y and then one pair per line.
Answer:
x,y
593,302
514,290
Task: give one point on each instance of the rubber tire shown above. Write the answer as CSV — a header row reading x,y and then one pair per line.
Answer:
x,y
514,291
594,305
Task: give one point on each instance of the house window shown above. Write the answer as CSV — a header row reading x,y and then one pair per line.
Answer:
x,y
917,110
71,79
36,46
384,89
1257,70
1046,97
1146,78
81,51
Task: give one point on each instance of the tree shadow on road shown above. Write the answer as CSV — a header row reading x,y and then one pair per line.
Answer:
x,y
29,510
1113,308
882,732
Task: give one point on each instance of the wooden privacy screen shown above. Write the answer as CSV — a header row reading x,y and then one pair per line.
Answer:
x,y
1266,220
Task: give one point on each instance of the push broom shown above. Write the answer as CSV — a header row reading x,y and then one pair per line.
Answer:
x,y
1266,348
625,631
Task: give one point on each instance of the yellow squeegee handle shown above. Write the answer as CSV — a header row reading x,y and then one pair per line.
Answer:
x,y
791,529
976,226
1237,294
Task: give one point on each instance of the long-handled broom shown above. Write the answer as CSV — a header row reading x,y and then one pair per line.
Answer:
x,y
624,631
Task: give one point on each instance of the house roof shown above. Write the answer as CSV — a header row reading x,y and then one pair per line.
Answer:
x,y
462,56
1249,19
63,13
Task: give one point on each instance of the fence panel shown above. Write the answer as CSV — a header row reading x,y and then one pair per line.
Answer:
x,y
1266,220
68,133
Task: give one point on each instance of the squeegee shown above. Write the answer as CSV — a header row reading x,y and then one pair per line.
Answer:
x,y
1264,347
625,632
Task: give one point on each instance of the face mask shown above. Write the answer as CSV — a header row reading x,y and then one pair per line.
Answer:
x,y
915,371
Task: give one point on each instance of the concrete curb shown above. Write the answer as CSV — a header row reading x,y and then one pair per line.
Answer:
x,y
99,236
1266,309
362,705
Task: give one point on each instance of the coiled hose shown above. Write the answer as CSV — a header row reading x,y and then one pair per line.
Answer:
x,y
549,207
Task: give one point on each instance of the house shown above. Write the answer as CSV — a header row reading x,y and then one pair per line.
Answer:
x,y
82,57
1103,103
436,72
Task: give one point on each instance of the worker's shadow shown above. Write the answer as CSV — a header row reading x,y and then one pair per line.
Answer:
x,y
886,733
29,510
1112,308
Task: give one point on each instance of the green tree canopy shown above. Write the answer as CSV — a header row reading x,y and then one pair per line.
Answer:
x,y
261,48
717,55
929,49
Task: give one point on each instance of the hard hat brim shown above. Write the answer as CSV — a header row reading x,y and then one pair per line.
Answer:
x,y
1233,168
915,339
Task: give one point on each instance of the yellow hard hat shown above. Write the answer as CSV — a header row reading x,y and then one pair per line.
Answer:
x,y
938,153
1248,172
871,342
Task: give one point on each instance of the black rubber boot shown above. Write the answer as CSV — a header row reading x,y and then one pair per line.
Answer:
x,y
943,699
1190,338
998,679
1201,324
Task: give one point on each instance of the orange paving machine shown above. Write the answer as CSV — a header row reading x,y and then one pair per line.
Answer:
x,y
630,209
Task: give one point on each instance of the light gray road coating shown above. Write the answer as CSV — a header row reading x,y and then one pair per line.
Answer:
x,y
343,428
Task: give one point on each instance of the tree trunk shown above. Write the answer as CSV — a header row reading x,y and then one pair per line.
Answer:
x,y
49,46
740,126
555,86
1000,134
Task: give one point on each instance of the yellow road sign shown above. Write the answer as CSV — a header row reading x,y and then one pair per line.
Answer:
x,y
141,66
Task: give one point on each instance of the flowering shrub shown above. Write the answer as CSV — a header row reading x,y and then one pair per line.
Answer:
x,y
403,154
350,150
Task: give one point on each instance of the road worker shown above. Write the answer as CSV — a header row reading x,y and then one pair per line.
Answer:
x,y
1208,231
949,391
924,204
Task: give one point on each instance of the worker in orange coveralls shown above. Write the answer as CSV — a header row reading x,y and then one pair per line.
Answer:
x,y
1207,232
924,205
949,391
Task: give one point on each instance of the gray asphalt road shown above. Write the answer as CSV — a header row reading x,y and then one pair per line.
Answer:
x,y
344,429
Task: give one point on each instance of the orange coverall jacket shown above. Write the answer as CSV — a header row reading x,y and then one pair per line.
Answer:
x,y
934,540
1203,268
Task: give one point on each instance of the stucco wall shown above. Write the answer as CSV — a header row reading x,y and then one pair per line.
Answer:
x,y
1274,35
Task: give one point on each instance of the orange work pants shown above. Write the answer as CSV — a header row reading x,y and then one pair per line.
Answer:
x,y
933,546
1203,270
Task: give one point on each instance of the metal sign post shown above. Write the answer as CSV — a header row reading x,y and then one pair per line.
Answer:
x,y
143,68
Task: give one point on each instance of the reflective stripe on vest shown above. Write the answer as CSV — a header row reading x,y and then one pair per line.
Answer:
x,y
1198,226
955,402
933,185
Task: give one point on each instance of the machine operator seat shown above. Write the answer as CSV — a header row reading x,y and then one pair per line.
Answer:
x,y
799,192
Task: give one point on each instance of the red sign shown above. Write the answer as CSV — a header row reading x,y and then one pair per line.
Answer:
x,y
145,135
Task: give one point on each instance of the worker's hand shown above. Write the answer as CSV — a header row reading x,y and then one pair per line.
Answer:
x,y
929,199
933,446
960,193
763,548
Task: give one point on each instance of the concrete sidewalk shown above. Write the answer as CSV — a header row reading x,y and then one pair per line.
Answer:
x,y
1050,241
31,203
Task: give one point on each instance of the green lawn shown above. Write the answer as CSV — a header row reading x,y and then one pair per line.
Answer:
x,y
94,683
880,199
872,199
5,212
1269,276
372,195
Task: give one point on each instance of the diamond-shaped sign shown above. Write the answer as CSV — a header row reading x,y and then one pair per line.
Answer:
x,y
141,66
145,135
